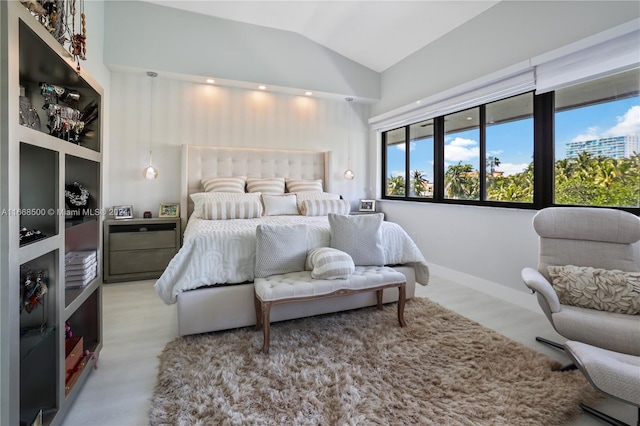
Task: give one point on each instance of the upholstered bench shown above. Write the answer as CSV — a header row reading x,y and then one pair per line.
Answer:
x,y
300,286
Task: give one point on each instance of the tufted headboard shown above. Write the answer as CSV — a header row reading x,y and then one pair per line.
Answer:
x,y
200,162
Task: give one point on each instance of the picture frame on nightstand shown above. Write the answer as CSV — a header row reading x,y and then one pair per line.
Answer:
x,y
169,210
367,206
123,212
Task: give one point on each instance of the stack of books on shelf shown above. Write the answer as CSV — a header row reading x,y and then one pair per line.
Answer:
x,y
81,268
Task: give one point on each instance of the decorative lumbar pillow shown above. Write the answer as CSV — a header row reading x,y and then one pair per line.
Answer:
x,y
223,210
358,236
202,198
269,186
299,185
326,263
595,288
233,184
324,207
302,196
280,249
275,205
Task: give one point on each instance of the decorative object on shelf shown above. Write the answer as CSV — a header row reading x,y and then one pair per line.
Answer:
x,y
169,210
78,47
123,212
150,172
30,235
33,289
28,114
66,122
55,16
367,205
348,174
77,199
147,215
68,333
80,268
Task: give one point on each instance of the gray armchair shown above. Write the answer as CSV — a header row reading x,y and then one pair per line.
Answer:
x,y
584,236
604,345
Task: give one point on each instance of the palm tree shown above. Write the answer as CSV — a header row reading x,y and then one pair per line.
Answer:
x,y
418,184
395,185
461,182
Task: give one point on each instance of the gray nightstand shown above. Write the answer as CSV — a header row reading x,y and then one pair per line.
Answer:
x,y
138,249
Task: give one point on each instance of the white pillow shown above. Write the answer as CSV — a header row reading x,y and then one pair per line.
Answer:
x,y
314,195
276,205
359,236
270,186
224,184
223,210
201,198
299,185
324,207
280,249
326,263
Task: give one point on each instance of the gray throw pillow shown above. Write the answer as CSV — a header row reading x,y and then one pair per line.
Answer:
x,y
359,236
280,249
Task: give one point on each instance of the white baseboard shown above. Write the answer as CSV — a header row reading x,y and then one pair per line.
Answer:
x,y
520,298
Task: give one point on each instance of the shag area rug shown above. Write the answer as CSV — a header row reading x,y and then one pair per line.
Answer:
x,y
360,367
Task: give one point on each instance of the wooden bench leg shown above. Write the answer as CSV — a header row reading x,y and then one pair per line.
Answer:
x,y
258,307
402,297
379,295
266,312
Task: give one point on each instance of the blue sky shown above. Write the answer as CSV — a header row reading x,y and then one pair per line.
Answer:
x,y
512,142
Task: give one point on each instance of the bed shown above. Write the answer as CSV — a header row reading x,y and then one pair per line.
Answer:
x,y
210,278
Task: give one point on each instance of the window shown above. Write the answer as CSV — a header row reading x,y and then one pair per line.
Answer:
x,y
509,149
597,146
585,140
421,159
395,154
462,155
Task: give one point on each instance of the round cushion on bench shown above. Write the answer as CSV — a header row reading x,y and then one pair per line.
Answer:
x,y
300,284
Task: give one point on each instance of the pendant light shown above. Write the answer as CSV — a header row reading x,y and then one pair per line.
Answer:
x,y
348,174
150,172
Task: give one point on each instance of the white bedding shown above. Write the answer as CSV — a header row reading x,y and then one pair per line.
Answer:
x,y
223,251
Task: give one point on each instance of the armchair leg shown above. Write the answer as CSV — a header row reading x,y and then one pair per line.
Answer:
x,y
551,343
604,417
558,346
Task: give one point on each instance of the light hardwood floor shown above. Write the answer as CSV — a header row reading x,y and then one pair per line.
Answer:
x,y
137,326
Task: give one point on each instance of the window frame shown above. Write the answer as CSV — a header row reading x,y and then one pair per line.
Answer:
x,y
543,161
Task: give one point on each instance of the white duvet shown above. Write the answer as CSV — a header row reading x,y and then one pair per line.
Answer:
x,y
223,251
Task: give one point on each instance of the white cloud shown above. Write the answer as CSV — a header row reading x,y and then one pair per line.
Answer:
x,y
628,124
592,133
402,146
511,169
396,173
461,149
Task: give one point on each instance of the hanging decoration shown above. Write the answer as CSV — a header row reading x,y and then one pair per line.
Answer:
x,y
32,290
59,18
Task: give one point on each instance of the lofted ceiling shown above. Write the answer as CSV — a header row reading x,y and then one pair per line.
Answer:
x,y
376,34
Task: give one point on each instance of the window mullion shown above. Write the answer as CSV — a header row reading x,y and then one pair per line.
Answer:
x,y
438,158
543,157
483,155
407,162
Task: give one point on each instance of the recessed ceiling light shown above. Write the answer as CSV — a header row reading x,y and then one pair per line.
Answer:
x,y
308,93
418,102
210,81
469,118
261,87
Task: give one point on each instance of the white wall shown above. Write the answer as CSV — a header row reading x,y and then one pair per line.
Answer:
x,y
95,66
200,114
152,37
504,35
485,247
